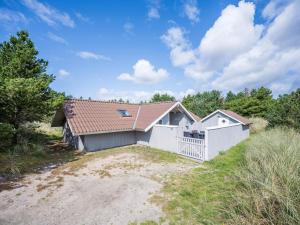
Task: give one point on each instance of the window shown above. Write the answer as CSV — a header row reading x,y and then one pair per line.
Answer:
x,y
124,112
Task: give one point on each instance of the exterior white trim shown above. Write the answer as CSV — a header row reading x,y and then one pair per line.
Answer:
x,y
137,116
160,117
187,112
220,127
165,113
206,145
67,121
165,125
220,111
104,132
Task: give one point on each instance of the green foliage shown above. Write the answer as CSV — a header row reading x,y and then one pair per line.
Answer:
x,y
162,98
25,95
286,111
18,58
257,103
6,135
269,185
204,103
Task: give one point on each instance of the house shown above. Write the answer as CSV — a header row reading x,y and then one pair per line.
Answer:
x,y
94,125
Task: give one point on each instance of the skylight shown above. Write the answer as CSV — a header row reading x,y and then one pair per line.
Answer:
x,y
124,112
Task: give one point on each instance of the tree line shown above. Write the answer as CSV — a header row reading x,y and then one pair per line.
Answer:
x,y
283,110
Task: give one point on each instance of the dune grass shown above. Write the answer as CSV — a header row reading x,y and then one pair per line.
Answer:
x,y
269,182
258,124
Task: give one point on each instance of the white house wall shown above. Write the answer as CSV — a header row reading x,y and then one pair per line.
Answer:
x,y
96,142
212,121
222,138
161,137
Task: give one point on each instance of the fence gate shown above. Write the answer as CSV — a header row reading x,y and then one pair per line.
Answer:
x,y
191,147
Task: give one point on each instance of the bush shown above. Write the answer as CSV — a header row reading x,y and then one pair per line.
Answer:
x,y
6,135
269,182
258,124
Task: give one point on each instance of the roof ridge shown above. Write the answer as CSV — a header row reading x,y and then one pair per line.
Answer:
x,y
128,103
149,103
136,118
102,101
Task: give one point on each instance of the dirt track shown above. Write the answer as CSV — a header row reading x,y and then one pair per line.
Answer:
x,y
111,190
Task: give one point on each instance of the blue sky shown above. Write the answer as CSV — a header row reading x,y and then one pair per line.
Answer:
x,y
133,49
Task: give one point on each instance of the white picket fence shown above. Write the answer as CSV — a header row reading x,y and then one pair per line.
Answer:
x,y
191,147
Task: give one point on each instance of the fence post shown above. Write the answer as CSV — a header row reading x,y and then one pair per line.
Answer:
x,y
206,145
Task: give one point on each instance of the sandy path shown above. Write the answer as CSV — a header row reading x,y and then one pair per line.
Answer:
x,y
111,190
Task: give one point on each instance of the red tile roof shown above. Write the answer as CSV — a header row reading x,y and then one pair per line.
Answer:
x,y
89,116
150,112
197,118
236,116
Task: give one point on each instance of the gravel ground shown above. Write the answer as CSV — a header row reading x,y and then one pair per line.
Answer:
x,y
111,190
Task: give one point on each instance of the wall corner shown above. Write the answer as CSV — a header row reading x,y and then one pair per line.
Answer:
x,y
206,146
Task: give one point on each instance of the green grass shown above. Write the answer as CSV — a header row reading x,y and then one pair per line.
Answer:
x,y
198,197
32,161
37,148
269,182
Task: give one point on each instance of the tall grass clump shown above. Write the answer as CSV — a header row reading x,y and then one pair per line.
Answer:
x,y
258,124
269,181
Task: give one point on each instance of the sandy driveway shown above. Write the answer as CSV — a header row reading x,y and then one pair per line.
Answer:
x,y
115,189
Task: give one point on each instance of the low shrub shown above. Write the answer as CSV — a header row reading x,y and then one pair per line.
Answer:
x,y
258,124
6,135
269,181
12,169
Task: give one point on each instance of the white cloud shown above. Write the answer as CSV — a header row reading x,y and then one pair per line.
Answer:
x,y
189,91
153,13
132,96
272,60
9,16
153,9
236,53
82,17
92,55
137,96
57,38
274,8
191,11
181,52
128,28
144,72
49,14
63,73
